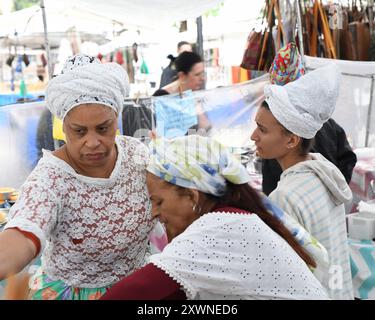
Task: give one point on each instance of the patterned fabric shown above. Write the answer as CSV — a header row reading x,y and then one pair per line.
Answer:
x,y
196,162
158,238
302,106
287,65
225,256
362,261
85,79
79,60
93,231
44,288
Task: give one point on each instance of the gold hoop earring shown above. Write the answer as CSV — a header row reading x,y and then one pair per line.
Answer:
x,y
195,207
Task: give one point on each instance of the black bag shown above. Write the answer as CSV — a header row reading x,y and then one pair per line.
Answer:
x,y
25,59
10,60
137,118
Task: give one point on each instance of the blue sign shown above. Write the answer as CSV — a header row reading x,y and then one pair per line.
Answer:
x,y
175,114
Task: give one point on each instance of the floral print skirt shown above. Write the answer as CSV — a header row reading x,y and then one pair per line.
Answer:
x,y
44,288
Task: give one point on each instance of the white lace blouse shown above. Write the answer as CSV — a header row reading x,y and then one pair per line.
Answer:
x,y
93,231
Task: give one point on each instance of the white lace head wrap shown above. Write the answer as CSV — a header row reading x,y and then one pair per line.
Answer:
x,y
84,79
304,105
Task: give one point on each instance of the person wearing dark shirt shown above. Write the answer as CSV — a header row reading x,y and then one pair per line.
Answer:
x,y
190,73
169,74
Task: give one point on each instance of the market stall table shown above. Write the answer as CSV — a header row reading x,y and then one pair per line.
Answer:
x,y
363,178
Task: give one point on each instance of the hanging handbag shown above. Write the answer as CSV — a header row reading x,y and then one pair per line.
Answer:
x,y
364,40
250,58
347,48
260,48
269,46
25,60
9,60
252,52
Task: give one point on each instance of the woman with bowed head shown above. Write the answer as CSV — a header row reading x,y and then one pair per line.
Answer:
x,y
84,208
223,241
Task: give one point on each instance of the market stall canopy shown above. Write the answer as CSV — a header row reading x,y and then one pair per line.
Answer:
x,y
25,27
37,40
96,21
149,14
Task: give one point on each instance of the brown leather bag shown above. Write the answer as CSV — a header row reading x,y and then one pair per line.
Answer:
x,y
251,55
347,48
260,47
364,39
361,38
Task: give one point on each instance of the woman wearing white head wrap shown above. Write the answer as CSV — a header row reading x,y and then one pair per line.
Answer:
x,y
84,207
85,80
223,243
311,188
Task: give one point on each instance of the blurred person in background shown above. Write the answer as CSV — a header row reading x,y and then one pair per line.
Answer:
x,y
190,75
170,73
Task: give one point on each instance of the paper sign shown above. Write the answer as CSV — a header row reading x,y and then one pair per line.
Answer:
x,y
175,115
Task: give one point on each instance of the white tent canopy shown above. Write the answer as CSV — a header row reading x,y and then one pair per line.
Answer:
x,y
96,20
28,24
151,14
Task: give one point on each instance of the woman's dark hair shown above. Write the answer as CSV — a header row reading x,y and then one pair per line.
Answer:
x,y
244,197
305,145
186,60
171,57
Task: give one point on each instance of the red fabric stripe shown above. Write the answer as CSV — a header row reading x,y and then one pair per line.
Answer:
x,y
148,283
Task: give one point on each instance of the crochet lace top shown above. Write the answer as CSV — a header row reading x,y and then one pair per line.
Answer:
x,y
93,231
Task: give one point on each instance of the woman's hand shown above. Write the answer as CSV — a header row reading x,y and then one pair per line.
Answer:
x,y
152,134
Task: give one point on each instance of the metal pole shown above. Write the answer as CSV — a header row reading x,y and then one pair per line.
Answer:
x,y
371,15
200,36
12,84
369,113
200,39
300,36
46,40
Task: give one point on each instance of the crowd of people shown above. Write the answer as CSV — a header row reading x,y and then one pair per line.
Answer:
x,y
87,209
